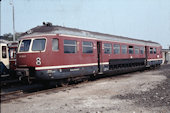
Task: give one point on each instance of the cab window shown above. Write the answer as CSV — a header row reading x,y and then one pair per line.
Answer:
x,y
151,50
38,45
25,44
154,50
4,53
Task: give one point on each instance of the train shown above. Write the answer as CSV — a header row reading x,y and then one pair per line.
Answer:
x,y
8,58
50,52
12,50
4,60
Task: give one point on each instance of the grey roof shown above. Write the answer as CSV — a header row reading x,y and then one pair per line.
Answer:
x,y
50,29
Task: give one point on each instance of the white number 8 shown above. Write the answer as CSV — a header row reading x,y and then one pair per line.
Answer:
x,y
38,61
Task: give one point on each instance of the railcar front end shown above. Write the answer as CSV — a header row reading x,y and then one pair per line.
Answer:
x,y
4,60
54,57
154,56
30,53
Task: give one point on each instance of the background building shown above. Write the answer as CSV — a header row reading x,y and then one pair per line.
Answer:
x,y
166,56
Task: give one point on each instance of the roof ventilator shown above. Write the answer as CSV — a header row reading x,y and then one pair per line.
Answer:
x,y
47,24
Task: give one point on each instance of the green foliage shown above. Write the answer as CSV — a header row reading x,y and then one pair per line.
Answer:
x,y
9,36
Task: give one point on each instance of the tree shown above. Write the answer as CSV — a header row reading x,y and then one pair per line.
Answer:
x,y
9,36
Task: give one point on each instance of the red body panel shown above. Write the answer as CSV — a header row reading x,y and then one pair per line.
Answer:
x,y
57,58
106,57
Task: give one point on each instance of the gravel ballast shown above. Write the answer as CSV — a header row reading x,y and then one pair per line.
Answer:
x,y
139,92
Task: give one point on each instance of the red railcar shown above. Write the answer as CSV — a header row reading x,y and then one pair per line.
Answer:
x,y
53,52
8,59
12,48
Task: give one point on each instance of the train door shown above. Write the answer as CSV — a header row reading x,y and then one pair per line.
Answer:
x,y
146,54
99,55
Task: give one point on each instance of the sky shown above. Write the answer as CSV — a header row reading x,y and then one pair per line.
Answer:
x,y
139,19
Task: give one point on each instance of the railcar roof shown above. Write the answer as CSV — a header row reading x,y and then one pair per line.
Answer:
x,y
45,29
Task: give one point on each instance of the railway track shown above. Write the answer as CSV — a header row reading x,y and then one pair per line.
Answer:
x,y
11,95
7,97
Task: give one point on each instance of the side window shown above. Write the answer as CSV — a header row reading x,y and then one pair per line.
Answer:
x,y
4,53
54,44
136,50
70,46
116,48
87,47
151,50
124,49
154,50
130,49
107,48
141,50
